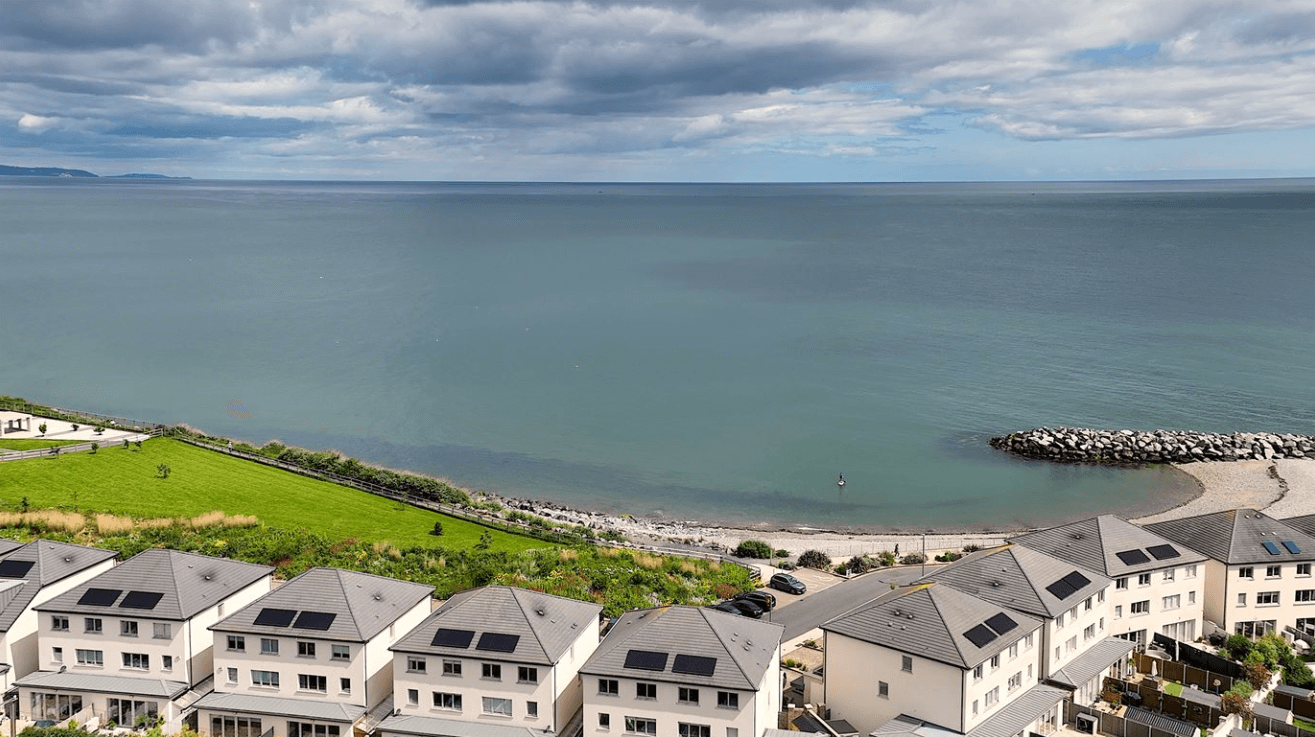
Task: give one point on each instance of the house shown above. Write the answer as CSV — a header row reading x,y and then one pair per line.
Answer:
x,y
683,671
1159,587
503,657
310,658
1258,578
31,575
128,644
937,655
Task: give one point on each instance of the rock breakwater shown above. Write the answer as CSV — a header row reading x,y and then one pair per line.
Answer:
x,y
1082,445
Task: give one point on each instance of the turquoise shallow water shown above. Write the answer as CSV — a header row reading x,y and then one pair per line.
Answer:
x,y
701,351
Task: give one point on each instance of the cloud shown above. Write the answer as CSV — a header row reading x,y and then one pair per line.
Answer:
x,y
30,123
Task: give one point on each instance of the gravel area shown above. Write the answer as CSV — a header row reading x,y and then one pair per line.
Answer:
x,y
1225,485
1299,477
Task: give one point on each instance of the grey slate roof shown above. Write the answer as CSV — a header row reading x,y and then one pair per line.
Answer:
x,y
100,683
1094,544
1294,691
929,620
1009,721
1270,711
547,624
1237,536
1016,577
1160,721
51,562
7,545
435,727
1093,662
241,703
190,584
744,648
363,604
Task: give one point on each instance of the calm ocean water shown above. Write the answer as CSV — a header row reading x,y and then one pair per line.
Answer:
x,y
702,351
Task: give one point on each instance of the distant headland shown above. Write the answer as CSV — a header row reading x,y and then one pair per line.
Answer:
x,y
52,171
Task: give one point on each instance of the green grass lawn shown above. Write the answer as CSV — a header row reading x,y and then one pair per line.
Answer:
x,y
124,482
1303,724
35,443
1173,689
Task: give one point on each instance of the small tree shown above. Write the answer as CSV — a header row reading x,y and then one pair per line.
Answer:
x,y
1258,675
485,540
1238,647
24,504
76,426
753,549
438,528
42,428
815,559
139,445
95,447
125,443
163,471
100,428
1237,700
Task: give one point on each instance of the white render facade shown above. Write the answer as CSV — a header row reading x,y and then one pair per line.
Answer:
x,y
1072,632
613,706
1168,601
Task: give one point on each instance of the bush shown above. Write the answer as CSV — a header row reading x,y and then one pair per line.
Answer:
x,y
785,565
913,559
815,559
860,564
1238,647
163,471
782,553
95,447
887,558
753,549
1258,675
1237,700
948,557
438,528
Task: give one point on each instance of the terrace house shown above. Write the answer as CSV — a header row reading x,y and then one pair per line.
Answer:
x,y
132,642
497,659
1159,587
684,671
310,658
1258,578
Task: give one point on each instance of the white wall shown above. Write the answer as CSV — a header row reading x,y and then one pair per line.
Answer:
x,y
1188,583
1094,611
20,646
668,712
200,662
1287,584
933,691
93,704
289,665
1026,663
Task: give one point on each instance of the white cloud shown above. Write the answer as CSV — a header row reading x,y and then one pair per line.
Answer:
x,y
30,123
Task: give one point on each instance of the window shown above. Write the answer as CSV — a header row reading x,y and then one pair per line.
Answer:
x,y
992,697
728,699
51,706
1089,632
1143,579
526,674
342,652
237,643
1303,569
59,624
415,665
491,671
1171,602
450,701
92,625
1191,597
607,686
1086,605
1013,651
167,662
1141,607
163,630
232,676
646,690
267,678
906,664
1027,641
1267,598
1016,680
977,673
269,646
57,654
128,628
1059,621
412,697
451,667
1057,652
694,730
1242,599
500,707
995,662
307,682
1305,596
604,720
1118,611
1273,571
140,661
91,657
306,729
1121,583
127,711
688,695
974,707
305,649
1100,596
883,689
531,710
1246,572
637,725
1072,643
345,685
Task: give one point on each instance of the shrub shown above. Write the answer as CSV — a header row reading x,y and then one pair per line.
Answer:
x,y
1238,647
753,549
1258,675
42,428
948,557
860,564
887,558
815,559
163,471
485,541
125,443
841,569
971,549
785,565
438,528
913,559
95,447
1237,700
782,553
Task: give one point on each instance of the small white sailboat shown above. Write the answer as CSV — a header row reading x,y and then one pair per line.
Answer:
x,y
841,482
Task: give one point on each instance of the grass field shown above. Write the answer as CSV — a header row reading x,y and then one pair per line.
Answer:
x,y
35,443
124,482
1173,689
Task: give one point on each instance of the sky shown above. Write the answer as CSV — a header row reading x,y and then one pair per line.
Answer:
x,y
667,90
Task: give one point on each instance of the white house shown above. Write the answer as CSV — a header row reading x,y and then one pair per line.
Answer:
x,y
683,671
127,644
310,658
1159,587
504,657
1258,578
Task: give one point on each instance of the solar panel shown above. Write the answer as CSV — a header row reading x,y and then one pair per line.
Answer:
x,y
1060,589
981,635
459,639
1291,546
1163,552
695,665
15,568
1271,547
1076,580
275,617
315,620
497,642
646,660
141,600
1001,623
100,597
1133,557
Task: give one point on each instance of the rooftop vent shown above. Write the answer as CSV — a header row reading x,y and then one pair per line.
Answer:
x,y
540,611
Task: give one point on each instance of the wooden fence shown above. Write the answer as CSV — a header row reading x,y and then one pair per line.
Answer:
x,y
1110,724
1177,707
1188,675
1300,707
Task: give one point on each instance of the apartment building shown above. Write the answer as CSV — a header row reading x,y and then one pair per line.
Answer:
x,y
935,655
1158,586
31,575
310,658
683,671
126,645
1258,576
501,657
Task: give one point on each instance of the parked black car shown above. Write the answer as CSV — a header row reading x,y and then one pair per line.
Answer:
x,y
787,583
763,599
725,606
748,608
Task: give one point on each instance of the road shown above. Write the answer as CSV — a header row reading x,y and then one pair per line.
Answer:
x,y
810,611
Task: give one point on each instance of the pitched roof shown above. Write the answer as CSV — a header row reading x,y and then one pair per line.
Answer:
x,y
742,648
362,605
50,562
1109,545
1022,579
545,625
103,683
1010,720
329,711
186,582
1239,536
1100,656
1160,721
932,621
8,546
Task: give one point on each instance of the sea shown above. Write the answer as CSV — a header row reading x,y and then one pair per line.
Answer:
x,y
710,352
